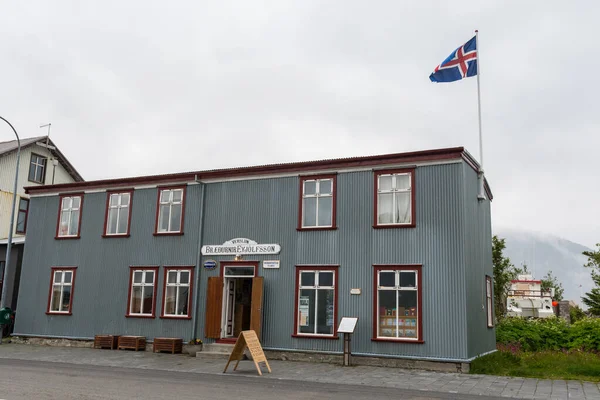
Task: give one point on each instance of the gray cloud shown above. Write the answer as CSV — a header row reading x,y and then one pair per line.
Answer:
x,y
142,87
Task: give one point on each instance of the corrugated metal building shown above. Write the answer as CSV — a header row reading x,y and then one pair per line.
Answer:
x,y
401,241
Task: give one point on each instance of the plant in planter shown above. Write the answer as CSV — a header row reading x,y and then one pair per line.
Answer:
x,y
194,346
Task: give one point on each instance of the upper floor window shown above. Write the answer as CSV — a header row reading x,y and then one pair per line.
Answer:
x,y
22,215
61,290
394,199
170,210
177,293
316,301
118,213
317,202
37,168
70,216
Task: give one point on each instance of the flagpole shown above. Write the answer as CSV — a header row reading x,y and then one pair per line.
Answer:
x,y
481,195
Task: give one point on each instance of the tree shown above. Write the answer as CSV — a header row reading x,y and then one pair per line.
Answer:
x,y
592,298
504,272
548,282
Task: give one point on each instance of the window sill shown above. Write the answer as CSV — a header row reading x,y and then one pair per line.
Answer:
x,y
397,340
184,317
58,313
318,228
116,236
315,337
139,316
395,226
67,237
168,234
39,183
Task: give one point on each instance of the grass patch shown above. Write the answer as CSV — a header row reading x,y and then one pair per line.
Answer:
x,y
574,365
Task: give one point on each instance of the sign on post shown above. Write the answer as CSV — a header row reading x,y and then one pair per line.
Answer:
x,y
347,326
248,339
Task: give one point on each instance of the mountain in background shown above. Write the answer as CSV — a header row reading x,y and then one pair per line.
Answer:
x,y
543,252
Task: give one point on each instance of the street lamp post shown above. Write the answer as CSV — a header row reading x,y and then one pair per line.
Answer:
x,y
12,221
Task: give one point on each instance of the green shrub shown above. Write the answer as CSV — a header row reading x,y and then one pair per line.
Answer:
x,y
576,314
548,334
585,334
533,334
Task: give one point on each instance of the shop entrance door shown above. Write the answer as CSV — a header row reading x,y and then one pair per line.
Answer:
x,y
234,302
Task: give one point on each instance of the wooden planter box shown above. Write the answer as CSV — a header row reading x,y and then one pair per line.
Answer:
x,y
106,341
132,343
172,345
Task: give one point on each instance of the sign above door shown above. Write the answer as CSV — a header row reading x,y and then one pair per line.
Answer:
x,y
239,246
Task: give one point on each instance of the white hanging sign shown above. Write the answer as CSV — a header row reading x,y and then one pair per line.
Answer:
x,y
240,246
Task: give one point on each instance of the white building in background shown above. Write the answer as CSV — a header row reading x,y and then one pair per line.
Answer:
x,y
527,299
41,163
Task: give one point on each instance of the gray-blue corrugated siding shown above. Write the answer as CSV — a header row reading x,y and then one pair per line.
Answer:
x,y
102,279
478,256
266,210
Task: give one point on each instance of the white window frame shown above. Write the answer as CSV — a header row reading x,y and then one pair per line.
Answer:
x,y
177,284
316,287
394,190
119,207
69,210
144,286
170,203
317,195
39,163
62,284
489,295
396,288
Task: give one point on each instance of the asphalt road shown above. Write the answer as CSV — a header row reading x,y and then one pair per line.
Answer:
x,y
21,379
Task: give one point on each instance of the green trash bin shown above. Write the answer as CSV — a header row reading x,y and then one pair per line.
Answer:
x,y
5,316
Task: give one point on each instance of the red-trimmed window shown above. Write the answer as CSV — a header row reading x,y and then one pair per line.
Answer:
x,y
69,216
488,301
169,215
118,213
398,310
394,198
22,216
62,285
142,292
316,301
317,202
177,292
2,263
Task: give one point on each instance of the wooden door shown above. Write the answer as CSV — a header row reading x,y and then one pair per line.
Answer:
x,y
256,305
214,307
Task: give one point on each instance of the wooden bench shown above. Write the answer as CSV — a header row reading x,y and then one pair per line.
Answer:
x,y
172,345
132,343
106,341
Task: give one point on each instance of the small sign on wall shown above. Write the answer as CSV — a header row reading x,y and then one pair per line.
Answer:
x,y
355,291
210,264
271,264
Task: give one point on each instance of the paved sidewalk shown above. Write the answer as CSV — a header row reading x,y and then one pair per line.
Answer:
x,y
521,388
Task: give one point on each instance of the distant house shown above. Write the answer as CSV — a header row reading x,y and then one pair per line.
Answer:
x,y
41,163
400,241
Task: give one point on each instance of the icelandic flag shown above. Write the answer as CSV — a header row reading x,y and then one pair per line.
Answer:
x,y
462,63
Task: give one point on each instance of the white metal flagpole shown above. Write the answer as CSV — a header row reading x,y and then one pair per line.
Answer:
x,y
481,195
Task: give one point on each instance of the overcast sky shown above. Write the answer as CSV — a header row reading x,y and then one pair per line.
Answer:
x,y
145,87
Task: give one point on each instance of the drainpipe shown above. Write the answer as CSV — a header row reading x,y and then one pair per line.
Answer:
x,y
198,259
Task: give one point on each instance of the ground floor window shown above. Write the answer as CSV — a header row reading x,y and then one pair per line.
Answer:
x,y
62,283
142,292
316,301
398,302
177,292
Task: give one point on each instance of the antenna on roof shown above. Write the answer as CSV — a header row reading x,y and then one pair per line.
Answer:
x,y
48,136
